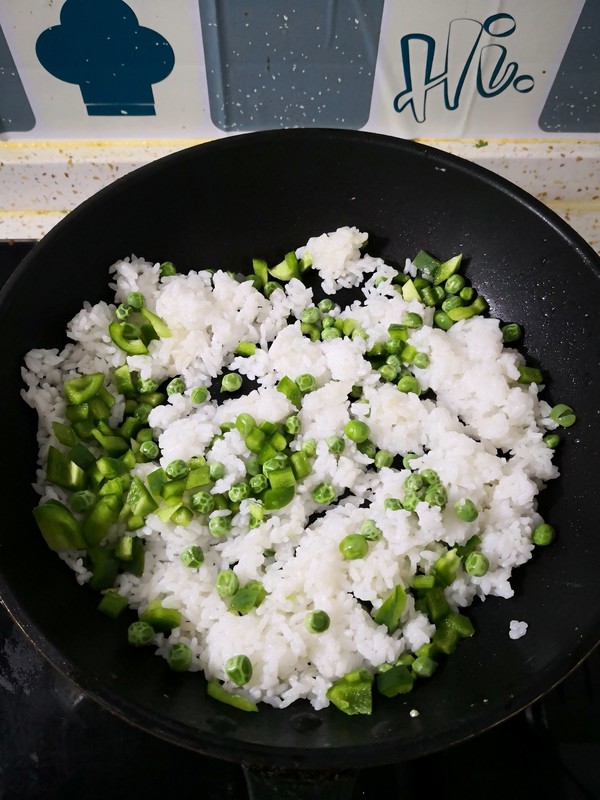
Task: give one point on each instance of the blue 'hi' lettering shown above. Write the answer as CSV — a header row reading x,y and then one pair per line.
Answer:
x,y
493,74
101,46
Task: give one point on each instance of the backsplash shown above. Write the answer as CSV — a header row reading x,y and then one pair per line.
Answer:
x,y
148,69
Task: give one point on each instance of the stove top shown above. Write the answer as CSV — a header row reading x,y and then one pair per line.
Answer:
x,y
56,742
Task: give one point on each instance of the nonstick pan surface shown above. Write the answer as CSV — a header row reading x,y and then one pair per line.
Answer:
x,y
262,194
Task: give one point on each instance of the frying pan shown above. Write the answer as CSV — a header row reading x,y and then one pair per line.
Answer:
x,y
261,194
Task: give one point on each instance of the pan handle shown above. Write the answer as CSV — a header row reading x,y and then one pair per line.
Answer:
x,y
265,783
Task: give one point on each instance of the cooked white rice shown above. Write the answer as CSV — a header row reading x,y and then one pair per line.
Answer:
x,y
482,435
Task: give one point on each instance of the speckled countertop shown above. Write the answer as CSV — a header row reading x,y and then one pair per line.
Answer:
x,y
40,182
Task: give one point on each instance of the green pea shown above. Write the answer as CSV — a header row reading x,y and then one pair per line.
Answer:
x,y
123,312
258,483
270,287
442,320
310,315
203,502
354,546
177,469
216,470
239,669
336,445
140,634
309,447
412,320
388,372
199,395
192,557
136,300
370,531
292,425
429,476
306,383
227,583
231,382
543,535
357,431
326,305
245,423
383,458
408,384
511,332
436,496
176,386
219,526
454,284
239,492
167,268
149,450
392,504
317,621
179,657
323,494
408,458
330,333
146,385
414,482
476,564
465,510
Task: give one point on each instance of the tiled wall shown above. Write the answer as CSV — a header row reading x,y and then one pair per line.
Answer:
x,y
152,69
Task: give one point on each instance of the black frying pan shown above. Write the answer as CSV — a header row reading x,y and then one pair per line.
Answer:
x,y
218,205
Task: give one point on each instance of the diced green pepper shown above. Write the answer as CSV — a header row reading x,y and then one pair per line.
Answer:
x,y
436,604
426,263
83,388
104,567
139,499
261,270
124,381
445,567
134,347
290,389
391,609
60,529
65,434
78,413
61,471
113,445
352,693
112,604
217,692
163,620
286,269
97,522
274,499
410,291
156,480
443,271
300,465
396,680
157,323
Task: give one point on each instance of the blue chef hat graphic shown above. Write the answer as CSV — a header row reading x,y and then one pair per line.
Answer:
x,y
101,46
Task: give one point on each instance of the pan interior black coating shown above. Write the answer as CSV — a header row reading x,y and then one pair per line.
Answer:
x,y
218,205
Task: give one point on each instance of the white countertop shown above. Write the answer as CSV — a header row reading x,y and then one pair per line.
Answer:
x,y
40,182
